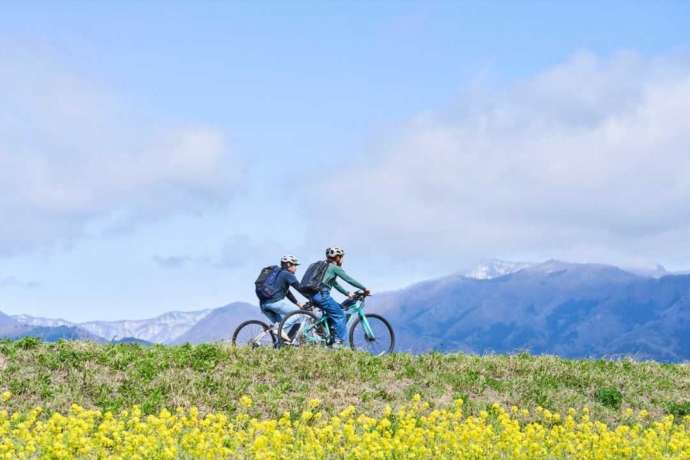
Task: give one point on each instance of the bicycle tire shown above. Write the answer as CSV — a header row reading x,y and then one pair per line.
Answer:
x,y
313,336
245,326
372,318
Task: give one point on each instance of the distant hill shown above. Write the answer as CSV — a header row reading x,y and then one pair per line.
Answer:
x,y
9,326
220,323
53,334
160,329
38,321
132,340
573,310
15,330
173,327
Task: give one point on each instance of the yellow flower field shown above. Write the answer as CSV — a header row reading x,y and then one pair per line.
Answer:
x,y
413,432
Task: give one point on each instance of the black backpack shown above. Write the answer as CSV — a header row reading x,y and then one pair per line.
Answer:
x,y
313,277
265,283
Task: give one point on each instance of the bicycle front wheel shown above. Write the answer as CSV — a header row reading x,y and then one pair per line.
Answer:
x,y
253,334
303,328
375,335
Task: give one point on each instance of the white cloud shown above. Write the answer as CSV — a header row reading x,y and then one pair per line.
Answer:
x,y
72,154
14,282
588,160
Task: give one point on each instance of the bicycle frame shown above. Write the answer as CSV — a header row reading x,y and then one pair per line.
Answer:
x,y
355,311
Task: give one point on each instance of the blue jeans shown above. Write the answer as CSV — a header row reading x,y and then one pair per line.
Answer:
x,y
334,311
276,311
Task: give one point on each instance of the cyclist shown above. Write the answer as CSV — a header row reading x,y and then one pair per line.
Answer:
x,y
333,309
276,308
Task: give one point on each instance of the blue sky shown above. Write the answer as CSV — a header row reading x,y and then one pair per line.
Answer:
x,y
157,154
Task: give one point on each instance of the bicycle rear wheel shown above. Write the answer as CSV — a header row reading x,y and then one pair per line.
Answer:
x,y
253,334
378,338
303,328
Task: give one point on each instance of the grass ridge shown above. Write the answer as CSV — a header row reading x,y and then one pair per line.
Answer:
x,y
213,377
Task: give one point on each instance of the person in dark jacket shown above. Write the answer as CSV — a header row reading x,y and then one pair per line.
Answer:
x,y
276,308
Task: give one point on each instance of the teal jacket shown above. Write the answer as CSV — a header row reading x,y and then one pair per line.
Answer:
x,y
333,272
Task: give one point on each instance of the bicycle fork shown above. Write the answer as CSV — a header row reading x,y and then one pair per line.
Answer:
x,y
368,331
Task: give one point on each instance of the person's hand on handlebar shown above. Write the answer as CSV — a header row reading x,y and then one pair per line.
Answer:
x,y
354,295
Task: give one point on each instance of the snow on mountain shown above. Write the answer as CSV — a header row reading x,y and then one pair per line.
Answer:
x,y
493,268
161,329
43,322
650,272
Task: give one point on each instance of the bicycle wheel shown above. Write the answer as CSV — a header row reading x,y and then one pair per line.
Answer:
x,y
379,340
253,334
303,328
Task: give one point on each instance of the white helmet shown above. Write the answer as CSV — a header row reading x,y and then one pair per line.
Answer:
x,y
334,252
289,260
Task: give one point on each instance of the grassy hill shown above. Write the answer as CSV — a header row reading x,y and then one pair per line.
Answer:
x,y
214,377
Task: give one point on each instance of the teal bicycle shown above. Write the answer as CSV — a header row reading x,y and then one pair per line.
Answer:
x,y
367,331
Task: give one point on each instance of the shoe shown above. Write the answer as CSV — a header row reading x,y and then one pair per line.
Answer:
x,y
285,337
338,345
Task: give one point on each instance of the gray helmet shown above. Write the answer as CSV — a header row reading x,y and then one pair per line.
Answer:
x,y
334,252
289,260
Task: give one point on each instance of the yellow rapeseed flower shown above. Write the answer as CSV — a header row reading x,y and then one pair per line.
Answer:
x,y
246,401
413,431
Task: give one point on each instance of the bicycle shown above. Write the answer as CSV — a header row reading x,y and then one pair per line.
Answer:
x,y
368,331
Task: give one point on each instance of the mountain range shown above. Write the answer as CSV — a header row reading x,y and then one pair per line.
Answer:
x,y
572,310
161,329
569,309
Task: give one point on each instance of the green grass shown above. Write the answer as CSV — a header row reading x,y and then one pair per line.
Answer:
x,y
213,377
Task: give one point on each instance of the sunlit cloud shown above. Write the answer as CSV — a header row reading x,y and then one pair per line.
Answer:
x,y
73,154
587,160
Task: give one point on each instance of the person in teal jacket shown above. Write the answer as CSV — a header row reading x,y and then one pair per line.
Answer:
x,y
323,298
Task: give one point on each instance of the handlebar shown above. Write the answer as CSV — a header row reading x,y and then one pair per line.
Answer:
x,y
360,295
